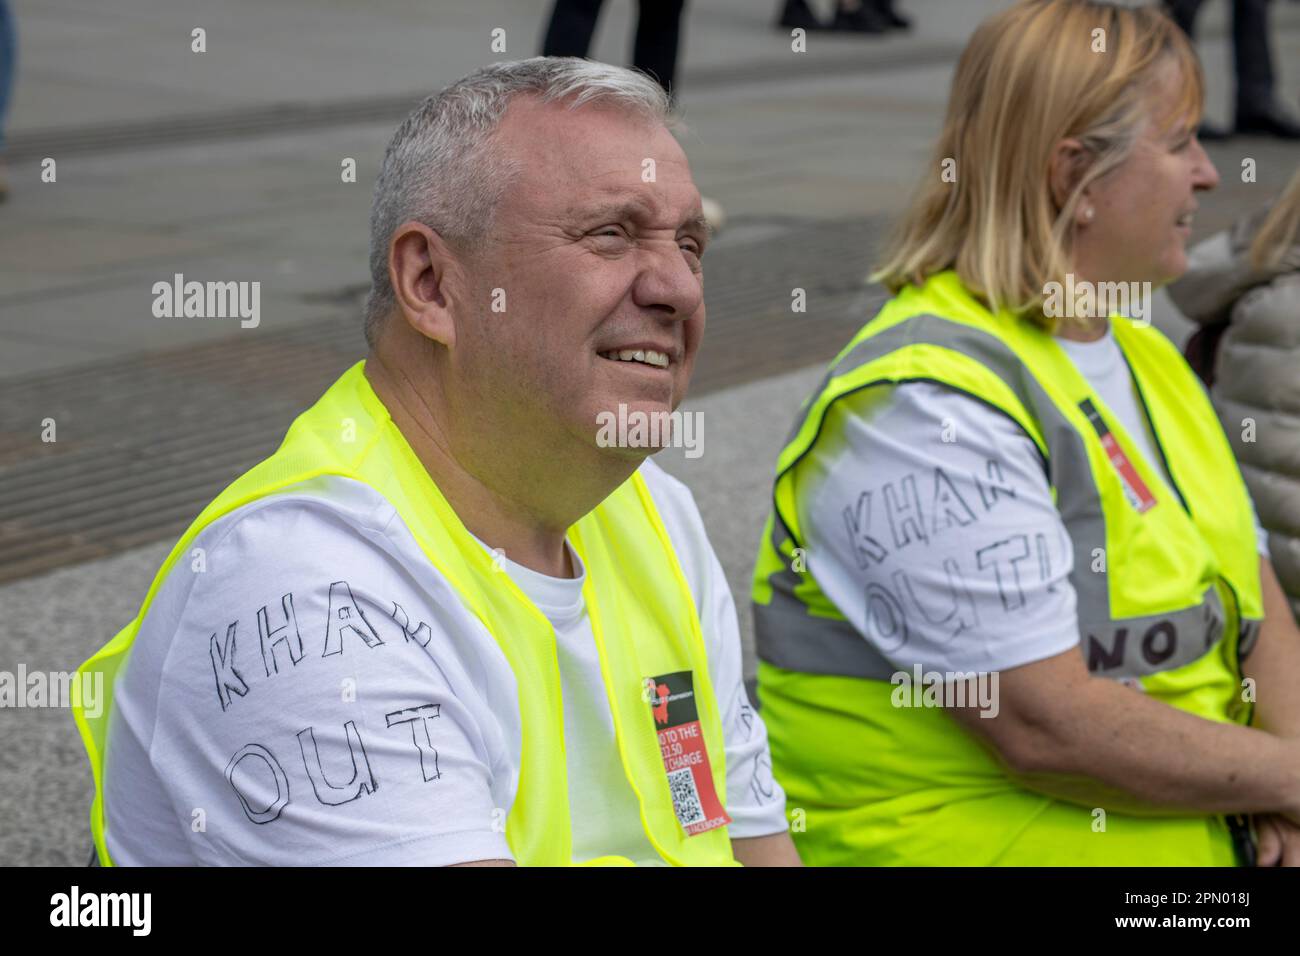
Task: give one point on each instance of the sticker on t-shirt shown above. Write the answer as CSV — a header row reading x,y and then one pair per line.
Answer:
x,y
1135,489
686,760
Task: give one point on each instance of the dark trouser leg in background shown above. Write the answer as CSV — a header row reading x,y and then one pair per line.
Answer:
x,y
8,58
1184,13
573,23
1250,56
892,17
1258,108
658,33
796,13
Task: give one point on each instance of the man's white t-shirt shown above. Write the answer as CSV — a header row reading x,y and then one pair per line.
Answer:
x,y
935,506
307,689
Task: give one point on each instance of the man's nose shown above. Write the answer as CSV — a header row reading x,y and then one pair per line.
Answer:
x,y
666,283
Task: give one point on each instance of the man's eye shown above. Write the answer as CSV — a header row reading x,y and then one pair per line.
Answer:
x,y
615,231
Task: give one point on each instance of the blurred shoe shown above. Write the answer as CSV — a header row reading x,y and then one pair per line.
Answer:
x,y
862,20
796,14
4,181
1208,132
714,213
892,18
1272,120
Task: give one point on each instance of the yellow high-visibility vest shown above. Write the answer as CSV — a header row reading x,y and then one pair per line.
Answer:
x,y
1173,603
642,615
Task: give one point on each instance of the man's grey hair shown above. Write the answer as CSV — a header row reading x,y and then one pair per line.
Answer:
x,y
440,169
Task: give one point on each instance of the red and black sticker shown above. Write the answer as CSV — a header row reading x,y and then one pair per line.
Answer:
x,y
1135,489
686,760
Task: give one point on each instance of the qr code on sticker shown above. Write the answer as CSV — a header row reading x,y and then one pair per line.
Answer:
x,y
686,799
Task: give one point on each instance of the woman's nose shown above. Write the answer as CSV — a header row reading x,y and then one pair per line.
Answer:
x,y
1205,176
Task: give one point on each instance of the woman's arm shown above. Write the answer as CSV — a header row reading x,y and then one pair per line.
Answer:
x,y
1273,665
1096,742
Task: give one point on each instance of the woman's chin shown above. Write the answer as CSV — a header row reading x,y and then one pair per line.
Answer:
x,y
1175,267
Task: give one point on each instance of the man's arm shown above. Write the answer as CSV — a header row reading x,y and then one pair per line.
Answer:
x,y
754,800
263,674
775,849
486,863
1062,732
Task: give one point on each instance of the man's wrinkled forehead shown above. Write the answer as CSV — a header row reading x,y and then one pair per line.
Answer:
x,y
569,160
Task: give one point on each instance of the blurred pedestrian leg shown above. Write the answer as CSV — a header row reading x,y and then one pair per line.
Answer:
x,y
1257,107
573,22
850,16
796,14
8,55
658,34
654,48
858,16
891,17
654,51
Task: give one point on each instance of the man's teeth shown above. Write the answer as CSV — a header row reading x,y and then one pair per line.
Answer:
x,y
644,356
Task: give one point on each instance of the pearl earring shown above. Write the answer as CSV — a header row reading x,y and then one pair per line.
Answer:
x,y
1087,214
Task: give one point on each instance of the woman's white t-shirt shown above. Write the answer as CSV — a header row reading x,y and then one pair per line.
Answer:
x,y
942,500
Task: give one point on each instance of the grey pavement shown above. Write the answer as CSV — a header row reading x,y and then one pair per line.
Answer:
x,y
838,132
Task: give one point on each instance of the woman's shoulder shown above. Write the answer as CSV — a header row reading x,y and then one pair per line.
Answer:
x,y
924,423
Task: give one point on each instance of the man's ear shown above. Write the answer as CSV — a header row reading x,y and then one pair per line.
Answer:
x,y
1068,163
421,269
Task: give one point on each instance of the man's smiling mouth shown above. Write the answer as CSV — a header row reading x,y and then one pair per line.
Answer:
x,y
643,356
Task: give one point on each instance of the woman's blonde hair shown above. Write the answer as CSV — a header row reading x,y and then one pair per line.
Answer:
x,y
1280,229
1032,75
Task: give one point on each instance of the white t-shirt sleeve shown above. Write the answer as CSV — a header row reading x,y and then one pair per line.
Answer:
x,y
315,706
1261,534
755,801
931,527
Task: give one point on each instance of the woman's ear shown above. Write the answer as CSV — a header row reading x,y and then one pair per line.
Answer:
x,y
420,265
1068,163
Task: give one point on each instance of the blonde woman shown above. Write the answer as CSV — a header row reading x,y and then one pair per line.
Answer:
x,y
1243,289
1012,605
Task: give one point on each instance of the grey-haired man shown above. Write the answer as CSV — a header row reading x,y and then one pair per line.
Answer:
x,y
449,624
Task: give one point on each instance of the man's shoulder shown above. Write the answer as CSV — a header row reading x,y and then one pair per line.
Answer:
x,y
317,636
930,418
663,486
308,525
318,535
327,569
685,527
327,500
676,506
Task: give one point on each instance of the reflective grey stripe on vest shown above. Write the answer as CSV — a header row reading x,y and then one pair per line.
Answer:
x,y
1249,634
788,637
